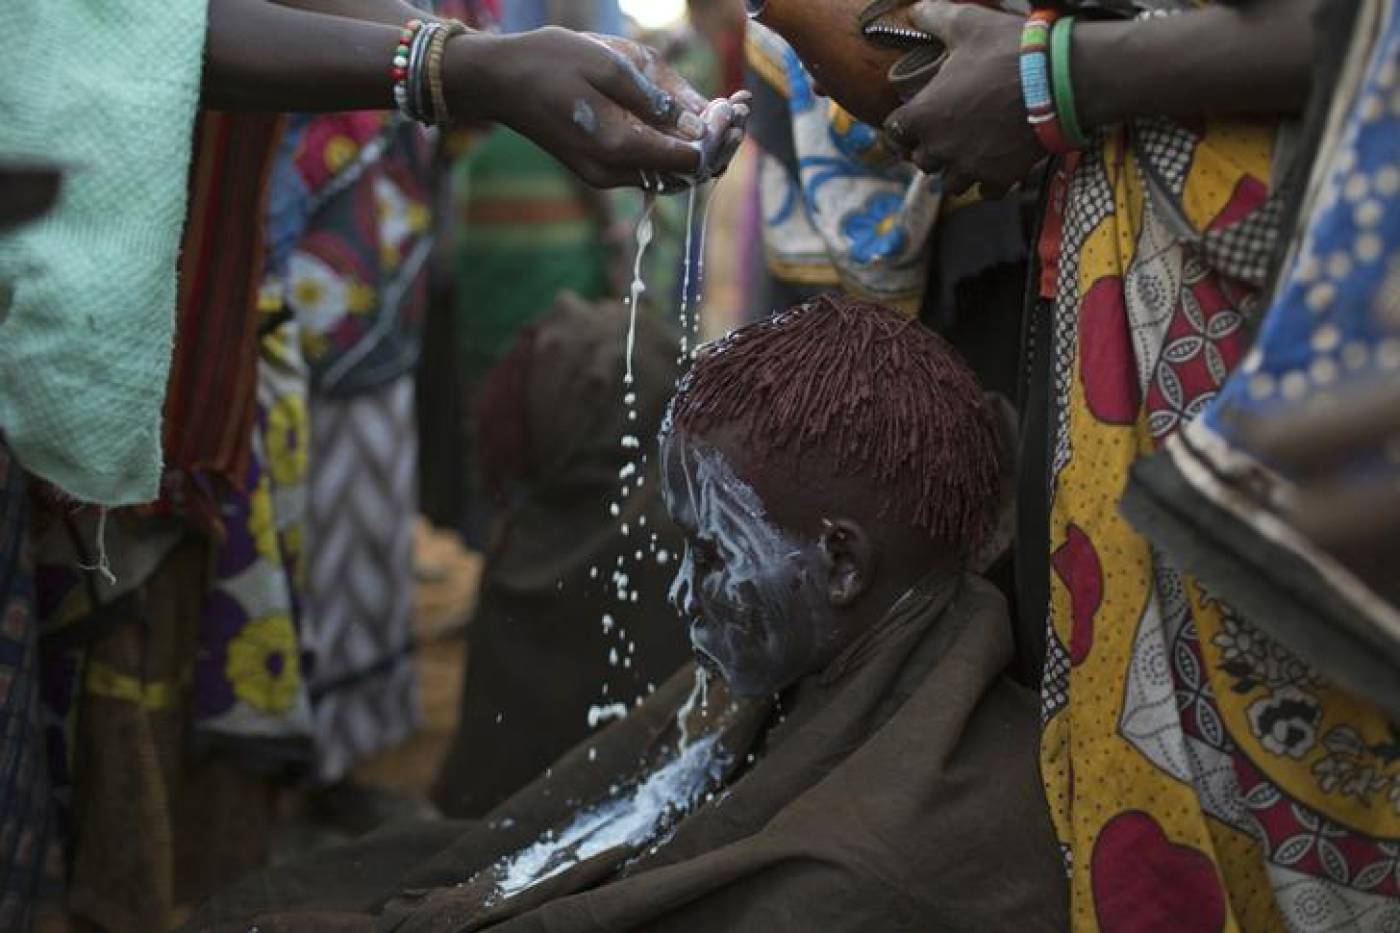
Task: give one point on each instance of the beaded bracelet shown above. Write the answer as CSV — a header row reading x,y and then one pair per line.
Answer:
x,y
412,65
435,52
1035,81
399,71
1061,42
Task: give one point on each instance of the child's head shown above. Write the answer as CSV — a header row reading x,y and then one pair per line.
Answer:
x,y
819,463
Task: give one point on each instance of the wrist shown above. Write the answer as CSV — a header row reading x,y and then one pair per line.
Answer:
x,y
472,75
1104,95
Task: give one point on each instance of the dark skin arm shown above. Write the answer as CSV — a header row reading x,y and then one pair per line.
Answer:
x,y
642,117
1248,58
388,12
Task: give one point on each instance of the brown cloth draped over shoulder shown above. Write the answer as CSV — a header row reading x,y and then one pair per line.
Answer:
x,y
898,792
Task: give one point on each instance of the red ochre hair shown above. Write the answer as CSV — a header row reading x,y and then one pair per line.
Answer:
x,y
884,396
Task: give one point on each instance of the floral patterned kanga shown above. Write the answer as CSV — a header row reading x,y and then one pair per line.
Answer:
x,y
248,683
355,278
1201,776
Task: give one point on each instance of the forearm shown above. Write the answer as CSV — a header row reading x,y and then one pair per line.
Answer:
x,y
263,56
388,12
1252,58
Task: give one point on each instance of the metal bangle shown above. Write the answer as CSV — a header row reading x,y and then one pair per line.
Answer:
x,y
417,59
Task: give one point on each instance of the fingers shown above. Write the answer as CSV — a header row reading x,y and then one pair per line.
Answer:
x,y
625,145
938,17
635,78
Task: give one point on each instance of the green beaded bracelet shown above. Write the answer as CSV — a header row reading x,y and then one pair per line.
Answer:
x,y
1061,38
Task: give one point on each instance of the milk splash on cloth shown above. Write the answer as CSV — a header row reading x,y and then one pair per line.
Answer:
x,y
633,817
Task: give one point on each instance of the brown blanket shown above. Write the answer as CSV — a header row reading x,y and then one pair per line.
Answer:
x,y
896,790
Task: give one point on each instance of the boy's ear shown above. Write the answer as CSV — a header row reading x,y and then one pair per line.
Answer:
x,y
850,560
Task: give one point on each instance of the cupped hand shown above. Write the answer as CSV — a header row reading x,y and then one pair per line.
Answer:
x,y
606,107
969,121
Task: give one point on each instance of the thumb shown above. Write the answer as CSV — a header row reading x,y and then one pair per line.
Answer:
x,y
937,17
898,129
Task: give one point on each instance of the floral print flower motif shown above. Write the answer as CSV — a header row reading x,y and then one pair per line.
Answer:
x,y
1239,642
318,295
874,229
262,664
400,219
325,301
288,428
1354,769
852,138
339,151
262,522
1253,658
1285,722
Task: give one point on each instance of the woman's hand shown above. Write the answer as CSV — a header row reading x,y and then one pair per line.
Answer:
x,y
606,107
969,122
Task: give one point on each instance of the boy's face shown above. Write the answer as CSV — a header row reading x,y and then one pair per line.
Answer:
x,y
752,595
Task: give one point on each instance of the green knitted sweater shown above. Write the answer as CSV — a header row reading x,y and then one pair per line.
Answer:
x,y
109,89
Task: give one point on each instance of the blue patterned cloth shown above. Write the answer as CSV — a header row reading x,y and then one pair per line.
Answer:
x,y
1336,322
839,209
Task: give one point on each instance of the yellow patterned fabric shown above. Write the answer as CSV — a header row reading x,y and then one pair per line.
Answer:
x,y
1200,776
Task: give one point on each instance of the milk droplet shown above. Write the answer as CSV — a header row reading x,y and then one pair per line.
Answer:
x,y
663,557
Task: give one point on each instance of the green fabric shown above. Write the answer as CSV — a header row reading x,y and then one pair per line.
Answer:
x,y
541,233
109,89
